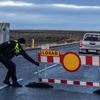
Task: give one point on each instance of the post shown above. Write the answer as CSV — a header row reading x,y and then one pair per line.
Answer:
x,y
32,45
4,32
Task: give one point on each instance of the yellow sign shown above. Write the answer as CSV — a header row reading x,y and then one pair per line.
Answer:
x,y
50,53
71,62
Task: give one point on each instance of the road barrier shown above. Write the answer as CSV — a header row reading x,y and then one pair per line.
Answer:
x,y
85,60
71,62
90,60
70,58
70,82
49,59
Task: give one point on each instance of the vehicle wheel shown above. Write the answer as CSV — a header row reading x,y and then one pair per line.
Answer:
x,y
86,51
82,52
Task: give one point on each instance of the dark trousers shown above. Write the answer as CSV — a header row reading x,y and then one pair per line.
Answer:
x,y
7,62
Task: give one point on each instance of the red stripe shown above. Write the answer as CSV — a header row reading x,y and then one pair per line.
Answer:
x,y
88,60
64,81
49,59
51,80
39,58
61,59
89,83
76,83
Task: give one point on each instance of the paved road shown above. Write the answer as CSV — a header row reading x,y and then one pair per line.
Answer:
x,y
26,73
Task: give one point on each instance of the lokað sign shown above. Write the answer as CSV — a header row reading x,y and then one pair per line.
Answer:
x,y
50,53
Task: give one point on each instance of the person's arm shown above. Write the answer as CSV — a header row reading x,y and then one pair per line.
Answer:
x,y
26,56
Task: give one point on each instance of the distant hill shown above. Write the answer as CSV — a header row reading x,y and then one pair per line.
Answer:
x,y
48,36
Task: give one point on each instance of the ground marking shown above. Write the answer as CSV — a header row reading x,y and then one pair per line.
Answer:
x,y
45,69
6,85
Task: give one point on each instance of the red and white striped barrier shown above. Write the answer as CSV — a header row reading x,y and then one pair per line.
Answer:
x,y
85,60
90,60
49,59
70,82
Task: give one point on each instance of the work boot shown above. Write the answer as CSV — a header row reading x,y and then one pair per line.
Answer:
x,y
16,84
7,82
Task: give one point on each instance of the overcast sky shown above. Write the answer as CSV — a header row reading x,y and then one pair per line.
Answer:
x,y
51,14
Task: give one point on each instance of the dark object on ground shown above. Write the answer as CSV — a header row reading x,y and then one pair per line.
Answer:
x,y
39,85
97,92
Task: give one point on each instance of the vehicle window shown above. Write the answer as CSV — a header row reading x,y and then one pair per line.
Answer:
x,y
91,39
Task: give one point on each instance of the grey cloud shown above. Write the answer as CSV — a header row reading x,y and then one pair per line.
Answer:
x,y
45,16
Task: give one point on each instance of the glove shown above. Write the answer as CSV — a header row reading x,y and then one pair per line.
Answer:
x,y
36,63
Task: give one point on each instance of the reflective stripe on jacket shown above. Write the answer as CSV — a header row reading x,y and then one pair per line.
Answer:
x,y
17,48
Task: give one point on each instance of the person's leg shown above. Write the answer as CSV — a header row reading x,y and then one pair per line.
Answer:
x,y
11,71
6,81
7,75
4,60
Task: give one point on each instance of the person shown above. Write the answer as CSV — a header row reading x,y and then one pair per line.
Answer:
x,y
9,50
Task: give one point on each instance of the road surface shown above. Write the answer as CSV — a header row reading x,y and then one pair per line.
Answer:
x,y
28,72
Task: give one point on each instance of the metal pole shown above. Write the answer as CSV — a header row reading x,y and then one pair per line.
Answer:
x,y
45,73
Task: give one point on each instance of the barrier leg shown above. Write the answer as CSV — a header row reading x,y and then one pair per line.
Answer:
x,y
39,83
97,92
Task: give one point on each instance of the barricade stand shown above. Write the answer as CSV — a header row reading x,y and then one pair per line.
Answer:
x,y
40,84
45,47
71,62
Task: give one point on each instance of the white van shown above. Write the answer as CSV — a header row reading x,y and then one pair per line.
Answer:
x,y
90,43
